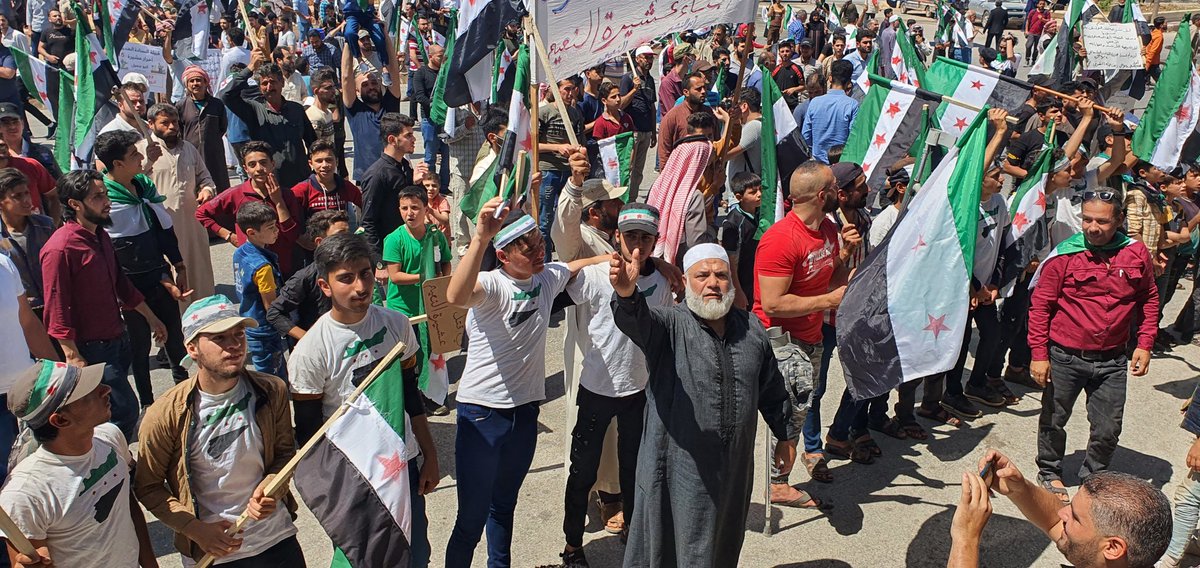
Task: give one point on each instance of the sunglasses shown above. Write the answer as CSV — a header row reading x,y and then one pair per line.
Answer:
x,y
1108,196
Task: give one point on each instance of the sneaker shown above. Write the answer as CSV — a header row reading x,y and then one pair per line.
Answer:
x,y
437,409
960,406
1022,378
984,395
574,559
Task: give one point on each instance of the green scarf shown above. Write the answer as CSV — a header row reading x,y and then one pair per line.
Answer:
x,y
120,194
1078,243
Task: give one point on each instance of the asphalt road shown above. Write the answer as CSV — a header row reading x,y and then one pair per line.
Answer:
x,y
893,513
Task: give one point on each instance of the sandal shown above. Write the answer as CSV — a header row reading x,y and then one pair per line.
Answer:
x,y
914,431
818,470
1060,492
847,450
939,415
866,442
1010,398
805,501
892,428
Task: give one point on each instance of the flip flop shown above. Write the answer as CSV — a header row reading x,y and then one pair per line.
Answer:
x,y
805,497
1060,492
939,415
915,431
818,470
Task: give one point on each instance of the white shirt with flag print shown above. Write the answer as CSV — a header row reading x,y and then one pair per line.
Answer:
x,y
78,504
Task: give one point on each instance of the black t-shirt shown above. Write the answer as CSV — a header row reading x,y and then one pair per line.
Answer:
x,y
788,76
1023,114
1030,142
643,107
737,237
58,42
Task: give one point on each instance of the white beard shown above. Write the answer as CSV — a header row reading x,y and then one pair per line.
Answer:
x,y
709,309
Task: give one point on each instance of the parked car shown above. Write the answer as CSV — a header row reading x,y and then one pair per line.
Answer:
x,y
1015,9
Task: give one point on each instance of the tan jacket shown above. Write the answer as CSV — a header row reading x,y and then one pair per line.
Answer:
x,y
574,239
162,480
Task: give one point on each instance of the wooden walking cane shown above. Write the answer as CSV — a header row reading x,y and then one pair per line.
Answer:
x,y
15,537
281,480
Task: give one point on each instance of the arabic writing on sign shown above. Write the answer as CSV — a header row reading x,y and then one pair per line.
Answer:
x,y
1112,46
582,33
446,321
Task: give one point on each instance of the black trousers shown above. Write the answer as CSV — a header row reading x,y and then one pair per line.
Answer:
x,y
1185,322
1014,331
285,554
166,309
1103,380
993,38
587,442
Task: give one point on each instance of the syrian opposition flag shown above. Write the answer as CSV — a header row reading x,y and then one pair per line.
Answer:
x,y
1171,116
974,86
501,79
778,125
33,74
120,17
1058,58
64,111
191,30
519,115
1075,244
476,37
905,311
437,105
906,65
616,153
888,122
93,88
870,67
833,18
355,478
1029,229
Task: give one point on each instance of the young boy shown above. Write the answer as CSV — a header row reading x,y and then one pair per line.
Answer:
x,y
613,121
342,347
438,207
300,294
257,278
415,252
325,189
737,235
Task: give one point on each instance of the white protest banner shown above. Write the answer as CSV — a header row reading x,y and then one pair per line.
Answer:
x,y
147,60
1112,46
212,65
582,33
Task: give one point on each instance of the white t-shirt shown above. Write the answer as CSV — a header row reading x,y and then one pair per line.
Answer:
x,y
287,39
14,351
1065,207
118,124
882,223
333,358
225,457
993,215
78,504
612,365
506,360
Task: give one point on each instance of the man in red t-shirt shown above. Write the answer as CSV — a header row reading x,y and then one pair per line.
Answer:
x,y
41,185
800,272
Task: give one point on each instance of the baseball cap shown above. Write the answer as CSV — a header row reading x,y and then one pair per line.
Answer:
x,y
363,33
684,49
902,175
644,50
213,314
787,42
638,217
9,110
806,43
47,386
600,189
136,79
845,173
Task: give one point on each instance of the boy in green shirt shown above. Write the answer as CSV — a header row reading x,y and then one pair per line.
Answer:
x,y
415,252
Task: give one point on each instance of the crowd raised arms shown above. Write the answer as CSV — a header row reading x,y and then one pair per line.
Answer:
x,y
714,214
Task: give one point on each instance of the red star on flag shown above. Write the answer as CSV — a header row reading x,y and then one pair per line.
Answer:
x,y
896,60
904,77
1019,221
866,168
393,466
920,242
1041,200
201,8
960,123
42,93
1184,112
116,7
612,163
880,140
977,85
893,110
92,57
937,325
438,361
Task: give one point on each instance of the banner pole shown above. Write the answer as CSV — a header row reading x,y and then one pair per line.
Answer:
x,y
540,47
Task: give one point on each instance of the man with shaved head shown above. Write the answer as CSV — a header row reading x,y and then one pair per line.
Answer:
x,y
704,354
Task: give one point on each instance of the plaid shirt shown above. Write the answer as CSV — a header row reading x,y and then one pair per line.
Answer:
x,y
327,57
1145,218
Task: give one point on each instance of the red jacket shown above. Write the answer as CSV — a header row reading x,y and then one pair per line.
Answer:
x,y
313,198
219,213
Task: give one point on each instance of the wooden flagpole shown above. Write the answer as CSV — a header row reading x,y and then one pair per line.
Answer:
x,y
533,115
282,479
15,537
540,47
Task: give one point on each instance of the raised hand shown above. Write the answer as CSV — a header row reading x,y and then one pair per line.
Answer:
x,y
488,224
624,274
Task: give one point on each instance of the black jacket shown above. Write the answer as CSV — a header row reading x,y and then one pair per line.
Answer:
x,y
997,20
381,185
299,294
288,131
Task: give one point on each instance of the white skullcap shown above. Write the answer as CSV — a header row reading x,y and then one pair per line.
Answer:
x,y
706,251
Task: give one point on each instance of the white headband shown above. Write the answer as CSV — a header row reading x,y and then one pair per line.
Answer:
x,y
706,251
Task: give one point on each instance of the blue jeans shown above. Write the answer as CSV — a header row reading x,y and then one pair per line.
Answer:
x,y
1187,514
266,351
812,422
419,548
552,184
115,354
493,450
962,54
356,19
435,146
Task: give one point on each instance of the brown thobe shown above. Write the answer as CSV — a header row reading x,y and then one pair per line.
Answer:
x,y
205,129
179,175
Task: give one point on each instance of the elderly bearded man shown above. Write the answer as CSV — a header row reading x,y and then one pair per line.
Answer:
x,y
694,483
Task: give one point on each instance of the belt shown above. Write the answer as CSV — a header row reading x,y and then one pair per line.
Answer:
x,y
1091,354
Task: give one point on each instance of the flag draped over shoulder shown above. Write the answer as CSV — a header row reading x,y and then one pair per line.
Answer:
x,y
1029,230
974,86
778,125
1171,116
355,479
888,122
477,35
437,106
904,313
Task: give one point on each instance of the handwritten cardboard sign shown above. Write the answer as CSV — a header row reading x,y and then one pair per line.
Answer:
x,y
446,321
582,33
147,60
212,65
1112,46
